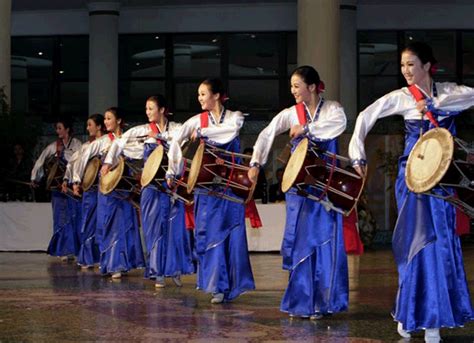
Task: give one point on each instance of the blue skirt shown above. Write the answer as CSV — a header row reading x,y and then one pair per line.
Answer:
x,y
433,290
65,216
313,252
120,243
167,240
221,246
89,250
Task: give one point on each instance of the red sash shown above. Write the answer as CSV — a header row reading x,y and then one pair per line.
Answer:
x,y
301,112
59,147
418,95
251,213
189,216
155,130
204,119
111,136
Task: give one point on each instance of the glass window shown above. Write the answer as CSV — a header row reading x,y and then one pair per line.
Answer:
x,y
253,54
74,58
292,53
444,48
468,54
186,96
372,88
378,53
469,81
74,99
32,58
197,56
133,95
254,95
142,56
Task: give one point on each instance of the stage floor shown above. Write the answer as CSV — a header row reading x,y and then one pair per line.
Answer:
x,y
45,300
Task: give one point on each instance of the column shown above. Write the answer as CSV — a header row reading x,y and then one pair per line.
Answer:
x,y
103,55
348,61
5,48
318,41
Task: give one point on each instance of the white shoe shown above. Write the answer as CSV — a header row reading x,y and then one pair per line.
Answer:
x,y
217,298
117,275
432,336
316,316
160,282
177,281
402,332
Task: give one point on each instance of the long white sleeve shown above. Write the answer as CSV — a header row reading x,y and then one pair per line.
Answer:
x,y
68,151
279,124
175,154
220,133
94,149
331,122
38,172
396,102
72,163
453,97
226,131
129,144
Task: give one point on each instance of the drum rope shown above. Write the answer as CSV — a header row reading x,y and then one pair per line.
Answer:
x,y
331,172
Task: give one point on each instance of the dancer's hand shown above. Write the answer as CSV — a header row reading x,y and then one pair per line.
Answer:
x,y
253,174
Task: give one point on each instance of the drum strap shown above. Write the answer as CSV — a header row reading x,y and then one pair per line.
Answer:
x,y
418,95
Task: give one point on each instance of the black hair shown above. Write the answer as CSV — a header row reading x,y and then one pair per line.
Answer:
x,y
215,85
423,51
159,100
117,114
308,74
98,119
67,123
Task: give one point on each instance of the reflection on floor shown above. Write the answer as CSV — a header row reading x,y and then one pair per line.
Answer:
x,y
45,300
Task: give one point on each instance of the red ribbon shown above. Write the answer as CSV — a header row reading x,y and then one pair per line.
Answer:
x,y
251,212
418,95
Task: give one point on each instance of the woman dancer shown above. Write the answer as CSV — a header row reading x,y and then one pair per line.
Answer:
x,y
432,288
221,243
163,218
117,222
313,246
64,242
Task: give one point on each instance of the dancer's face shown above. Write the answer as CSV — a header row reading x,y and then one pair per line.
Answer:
x,y
206,98
153,111
413,70
61,131
300,89
92,128
111,122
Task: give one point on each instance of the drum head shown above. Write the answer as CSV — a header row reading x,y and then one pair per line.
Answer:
x,y
152,165
90,174
294,165
195,167
52,174
109,181
429,160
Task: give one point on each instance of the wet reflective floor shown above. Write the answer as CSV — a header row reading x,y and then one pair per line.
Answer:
x,y
45,300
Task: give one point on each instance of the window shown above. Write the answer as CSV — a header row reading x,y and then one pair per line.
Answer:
x,y
49,76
